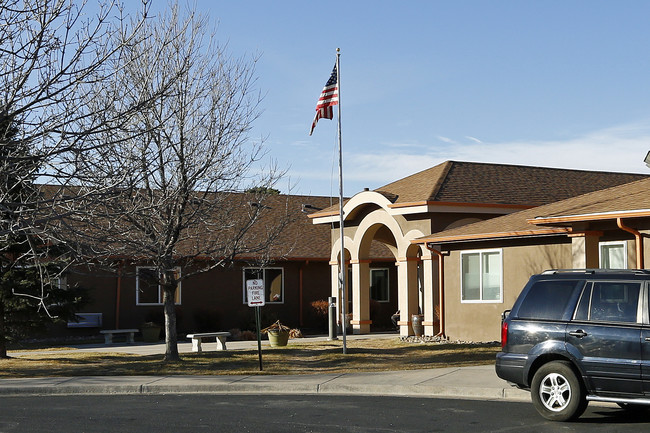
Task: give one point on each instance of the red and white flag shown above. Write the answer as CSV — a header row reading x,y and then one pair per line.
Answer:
x,y
329,97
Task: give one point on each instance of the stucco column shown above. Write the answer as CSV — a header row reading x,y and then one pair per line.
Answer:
x,y
584,249
361,297
430,286
407,286
646,247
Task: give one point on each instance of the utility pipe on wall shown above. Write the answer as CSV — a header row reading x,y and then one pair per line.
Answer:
x,y
118,294
441,291
640,262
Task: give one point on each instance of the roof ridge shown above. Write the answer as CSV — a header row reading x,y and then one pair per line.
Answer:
x,y
581,170
442,179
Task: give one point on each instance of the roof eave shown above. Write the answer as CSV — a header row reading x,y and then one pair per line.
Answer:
x,y
491,236
564,219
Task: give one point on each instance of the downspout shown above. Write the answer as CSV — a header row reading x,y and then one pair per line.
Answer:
x,y
300,288
640,262
118,295
441,291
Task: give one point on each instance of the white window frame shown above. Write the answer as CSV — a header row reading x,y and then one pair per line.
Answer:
x,y
387,283
60,282
160,292
244,293
608,243
481,300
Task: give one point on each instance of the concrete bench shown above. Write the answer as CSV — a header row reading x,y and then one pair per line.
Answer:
x,y
197,339
108,334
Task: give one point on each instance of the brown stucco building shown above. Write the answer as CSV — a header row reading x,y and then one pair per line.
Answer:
x,y
456,243
296,274
603,229
443,229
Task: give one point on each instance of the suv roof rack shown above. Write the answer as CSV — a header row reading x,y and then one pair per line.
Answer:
x,y
598,271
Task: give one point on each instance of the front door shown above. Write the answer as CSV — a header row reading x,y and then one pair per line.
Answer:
x,y
606,335
645,342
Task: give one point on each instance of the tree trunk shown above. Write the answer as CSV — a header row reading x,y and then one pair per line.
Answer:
x,y
171,338
3,339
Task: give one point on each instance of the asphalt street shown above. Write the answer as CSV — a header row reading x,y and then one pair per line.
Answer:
x,y
292,413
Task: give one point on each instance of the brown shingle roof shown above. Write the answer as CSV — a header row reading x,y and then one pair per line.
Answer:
x,y
633,196
630,197
301,239
472,182
507,226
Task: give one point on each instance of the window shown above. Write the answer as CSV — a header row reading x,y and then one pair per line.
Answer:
x,y
609,302
613,255
481,276
379,285
148,291
547,300
273,283
60,282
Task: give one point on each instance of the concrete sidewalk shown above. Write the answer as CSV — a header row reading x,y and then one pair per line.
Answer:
x,y
467,382
478,382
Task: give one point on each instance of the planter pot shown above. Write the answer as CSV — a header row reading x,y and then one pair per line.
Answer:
x,y
278,338
151,334
416,323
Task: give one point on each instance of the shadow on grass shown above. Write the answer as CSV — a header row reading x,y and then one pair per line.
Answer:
x,y
293,359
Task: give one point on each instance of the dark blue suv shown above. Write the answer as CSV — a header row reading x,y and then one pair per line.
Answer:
x,y
575,336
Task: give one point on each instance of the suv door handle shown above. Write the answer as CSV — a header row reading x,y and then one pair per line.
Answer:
x,y
579,333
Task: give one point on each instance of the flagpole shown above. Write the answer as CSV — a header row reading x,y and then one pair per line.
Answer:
x,y
342,277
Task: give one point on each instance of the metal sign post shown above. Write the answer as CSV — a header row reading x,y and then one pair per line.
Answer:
x,y
257,299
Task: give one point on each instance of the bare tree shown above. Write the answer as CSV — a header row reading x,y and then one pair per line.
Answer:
x,y
50,51
176,168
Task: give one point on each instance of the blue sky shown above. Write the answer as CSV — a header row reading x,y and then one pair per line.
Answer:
x,y
549,83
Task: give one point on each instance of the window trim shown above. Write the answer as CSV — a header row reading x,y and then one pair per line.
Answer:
x,y
387,284
481,300
264,269
606,243
160,294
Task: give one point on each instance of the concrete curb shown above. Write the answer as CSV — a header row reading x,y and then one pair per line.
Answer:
x,y
345,384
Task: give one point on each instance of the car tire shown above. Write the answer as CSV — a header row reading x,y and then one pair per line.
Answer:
x,y
557,392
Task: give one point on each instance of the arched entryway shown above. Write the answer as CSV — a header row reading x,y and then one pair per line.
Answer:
x,y
368,219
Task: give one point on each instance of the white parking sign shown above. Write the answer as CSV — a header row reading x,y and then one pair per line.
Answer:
x,y
255,293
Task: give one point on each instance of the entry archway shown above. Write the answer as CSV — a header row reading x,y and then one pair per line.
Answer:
x,y
370,218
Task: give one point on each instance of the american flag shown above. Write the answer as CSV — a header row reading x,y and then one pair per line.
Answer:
x,y
329,97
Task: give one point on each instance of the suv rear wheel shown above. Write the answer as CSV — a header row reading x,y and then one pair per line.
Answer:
x,y
557,393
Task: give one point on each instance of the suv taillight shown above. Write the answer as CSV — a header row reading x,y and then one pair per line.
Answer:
x,y
504,334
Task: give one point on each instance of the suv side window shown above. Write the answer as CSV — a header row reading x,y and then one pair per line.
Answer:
x,y
547,300
604,301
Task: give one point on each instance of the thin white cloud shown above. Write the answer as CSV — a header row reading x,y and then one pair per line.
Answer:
x,y
302,143
474,139
617,149
404,145
620,148
445,139
380,169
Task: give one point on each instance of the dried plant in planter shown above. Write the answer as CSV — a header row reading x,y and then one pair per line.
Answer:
x,y
277,326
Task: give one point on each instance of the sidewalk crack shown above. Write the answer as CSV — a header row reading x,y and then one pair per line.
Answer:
x,y
438,377
333,378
